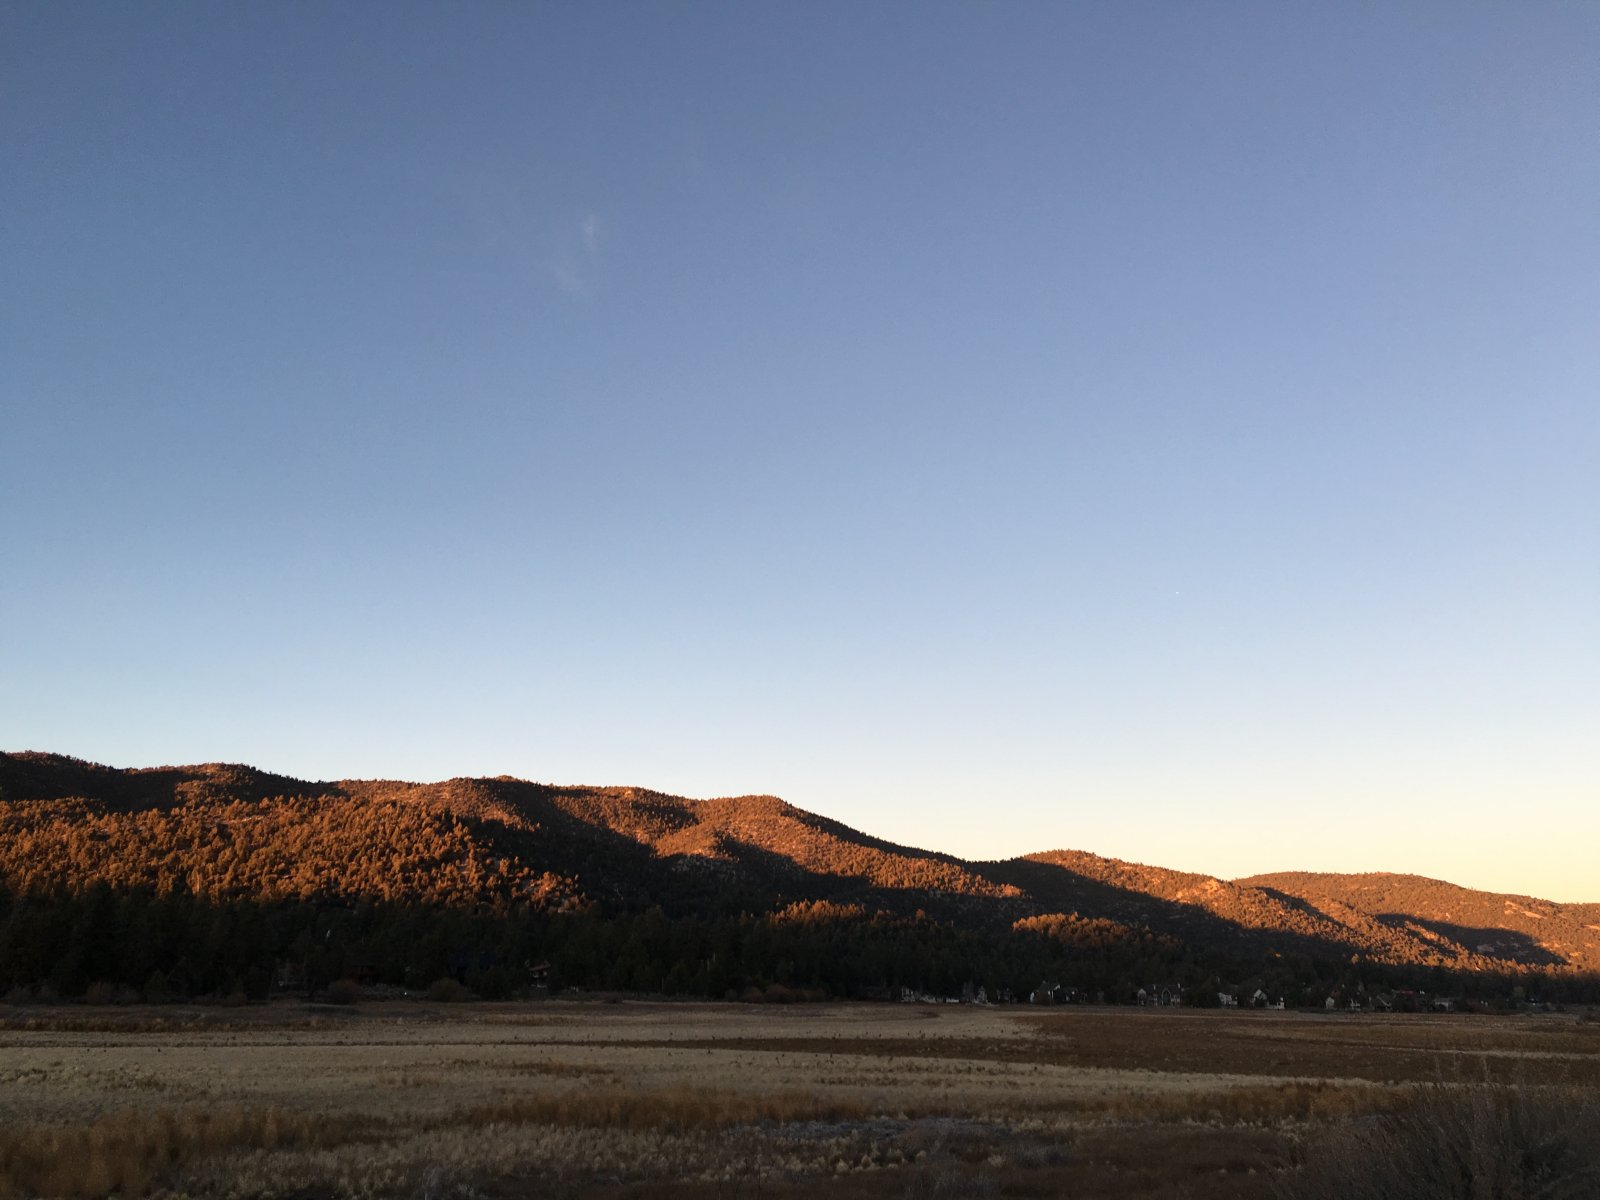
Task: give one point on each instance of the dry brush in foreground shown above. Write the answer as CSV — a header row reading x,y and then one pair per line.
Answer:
x,y
1460,1142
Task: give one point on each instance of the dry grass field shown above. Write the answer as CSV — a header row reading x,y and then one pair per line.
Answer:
x,y
590,1099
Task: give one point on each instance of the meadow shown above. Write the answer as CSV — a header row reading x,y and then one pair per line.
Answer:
x,y
585,1098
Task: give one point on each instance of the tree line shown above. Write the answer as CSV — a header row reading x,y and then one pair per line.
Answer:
x,y
141,944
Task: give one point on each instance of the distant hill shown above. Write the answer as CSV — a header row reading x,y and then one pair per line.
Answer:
x,y
1491,925
230,832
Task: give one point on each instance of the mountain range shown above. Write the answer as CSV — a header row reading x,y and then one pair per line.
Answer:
x,y
234,832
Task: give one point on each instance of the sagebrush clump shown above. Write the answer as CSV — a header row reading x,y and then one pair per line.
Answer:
x,y
1460,1142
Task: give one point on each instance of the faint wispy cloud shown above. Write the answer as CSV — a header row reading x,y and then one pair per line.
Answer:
x,y
574,263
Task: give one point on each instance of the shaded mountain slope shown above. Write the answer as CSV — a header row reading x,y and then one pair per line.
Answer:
x,y
1210,911
227,831
1487,924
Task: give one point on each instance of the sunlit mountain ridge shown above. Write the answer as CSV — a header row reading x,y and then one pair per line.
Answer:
x,y
225,831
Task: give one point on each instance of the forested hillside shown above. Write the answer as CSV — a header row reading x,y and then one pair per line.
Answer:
x,y
220,877
1490,924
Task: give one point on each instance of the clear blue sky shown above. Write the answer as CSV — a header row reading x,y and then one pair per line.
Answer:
x,y
1171,431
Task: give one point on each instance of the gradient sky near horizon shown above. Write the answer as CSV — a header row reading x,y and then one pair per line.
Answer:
x,y
1171,431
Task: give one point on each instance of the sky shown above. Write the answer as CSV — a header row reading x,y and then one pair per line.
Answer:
x,y
1165,430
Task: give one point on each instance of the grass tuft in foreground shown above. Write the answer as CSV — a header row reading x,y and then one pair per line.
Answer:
x,y
127,1152
1455,1142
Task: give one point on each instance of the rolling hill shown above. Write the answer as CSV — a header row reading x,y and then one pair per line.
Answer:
x,y
1493,925
229,832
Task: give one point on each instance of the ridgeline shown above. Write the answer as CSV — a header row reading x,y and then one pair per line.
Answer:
x,y
222,879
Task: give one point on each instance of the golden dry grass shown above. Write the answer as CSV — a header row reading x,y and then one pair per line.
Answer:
x,y
579,1100
125,1153
676,1110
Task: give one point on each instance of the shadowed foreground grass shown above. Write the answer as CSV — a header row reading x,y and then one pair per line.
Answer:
x,y
688,1141
129,1152
1455,1142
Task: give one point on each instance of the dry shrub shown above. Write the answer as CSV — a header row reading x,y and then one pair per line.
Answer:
x,y
343,991
101,994
677,1110
1458,1142
158,988
448,991
128,1152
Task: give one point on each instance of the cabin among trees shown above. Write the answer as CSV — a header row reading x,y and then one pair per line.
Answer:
x,y
1164,995
128,945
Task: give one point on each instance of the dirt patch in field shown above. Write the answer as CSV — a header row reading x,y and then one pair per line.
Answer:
x,y
1382,1049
